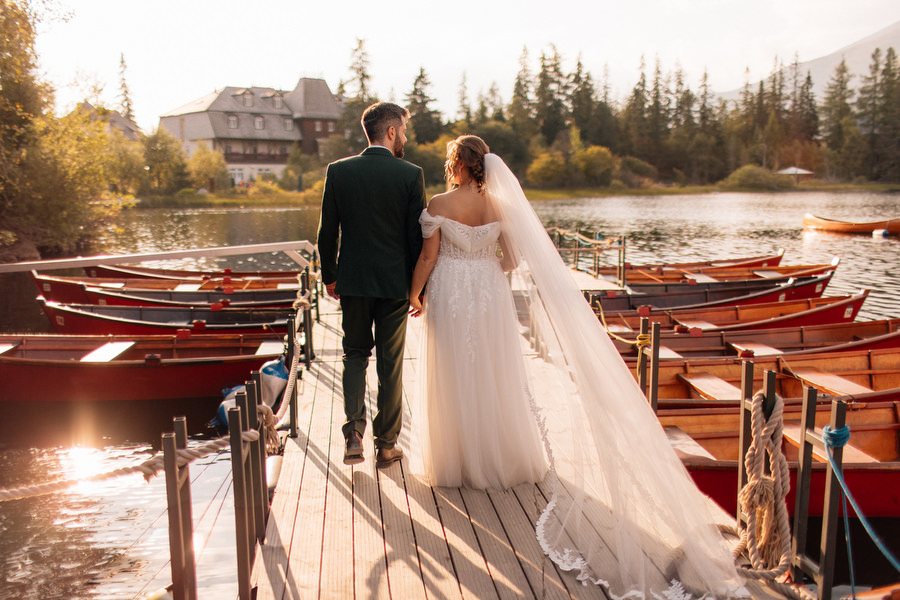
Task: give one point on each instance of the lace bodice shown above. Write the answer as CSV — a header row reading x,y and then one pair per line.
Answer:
x,y
462,241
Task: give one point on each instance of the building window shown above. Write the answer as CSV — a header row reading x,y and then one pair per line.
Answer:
x,y
284,148
288,124
237,176
330,126
279,101
248,99
259,122
318,125
227,147
232,122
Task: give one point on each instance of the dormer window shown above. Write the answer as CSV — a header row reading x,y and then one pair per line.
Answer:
x,y
279,101
259,122
232,122
248,99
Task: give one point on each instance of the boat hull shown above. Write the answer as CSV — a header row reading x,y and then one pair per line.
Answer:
x,y
889,227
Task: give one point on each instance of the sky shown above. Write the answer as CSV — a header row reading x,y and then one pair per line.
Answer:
x,y
177,51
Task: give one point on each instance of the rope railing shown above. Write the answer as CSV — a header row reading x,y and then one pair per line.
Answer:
x,y
149,468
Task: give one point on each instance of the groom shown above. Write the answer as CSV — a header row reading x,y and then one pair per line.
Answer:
x,y
370,208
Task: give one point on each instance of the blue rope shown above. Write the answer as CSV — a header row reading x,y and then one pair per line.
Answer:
x,y
838,438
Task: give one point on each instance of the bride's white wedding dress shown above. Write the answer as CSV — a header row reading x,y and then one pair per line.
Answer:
x,y
477,425
623,512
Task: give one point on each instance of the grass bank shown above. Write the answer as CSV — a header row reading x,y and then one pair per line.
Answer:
x,y
313,197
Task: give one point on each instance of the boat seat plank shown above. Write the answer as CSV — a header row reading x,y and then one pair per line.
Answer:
x,y
756,348
766,274
828,382
700,277
711,387
106,352
684,445
188,287
665,352
793,435
270,347
288,286
6,347
696,323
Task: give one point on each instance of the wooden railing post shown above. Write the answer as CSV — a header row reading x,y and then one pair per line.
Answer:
x,y
823,571
745,431
257,463
178,501
264,482
292,401
642,356
308,353
654,366
245,535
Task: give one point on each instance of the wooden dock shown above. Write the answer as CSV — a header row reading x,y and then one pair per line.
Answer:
x,y
356,532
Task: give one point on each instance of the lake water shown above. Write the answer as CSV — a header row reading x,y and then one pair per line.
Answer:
x,y
108,541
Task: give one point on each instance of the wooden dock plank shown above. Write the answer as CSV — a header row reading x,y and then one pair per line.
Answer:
x,y
518,525
339,532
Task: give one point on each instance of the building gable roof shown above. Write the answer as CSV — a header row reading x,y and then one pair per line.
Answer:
x,y
312,99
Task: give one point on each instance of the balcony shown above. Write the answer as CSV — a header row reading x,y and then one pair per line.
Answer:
x,y
255,158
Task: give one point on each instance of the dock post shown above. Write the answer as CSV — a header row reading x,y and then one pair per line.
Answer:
x,y
823,571
257,460
314,295
308,353
642,356
292,401
244,535
256,376
745,432
178,501
654,366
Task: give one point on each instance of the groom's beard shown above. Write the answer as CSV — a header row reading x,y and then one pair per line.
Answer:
x,y
398,148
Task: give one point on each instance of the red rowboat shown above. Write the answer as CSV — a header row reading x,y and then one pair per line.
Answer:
x,y
240,299
94,319
111,384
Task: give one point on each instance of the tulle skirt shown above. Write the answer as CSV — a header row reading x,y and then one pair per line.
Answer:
x,y
476,423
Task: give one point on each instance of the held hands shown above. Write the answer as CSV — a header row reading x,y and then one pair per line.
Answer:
x,y
415,305
329,288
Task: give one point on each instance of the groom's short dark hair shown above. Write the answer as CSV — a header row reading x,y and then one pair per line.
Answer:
x,y
379,117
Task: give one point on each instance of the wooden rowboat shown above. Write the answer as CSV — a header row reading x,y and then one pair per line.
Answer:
x,y
762,292
185,298
72,289
852,375
131,271
94,319
864,335
110,384
890,226
707,440
788,313
721,275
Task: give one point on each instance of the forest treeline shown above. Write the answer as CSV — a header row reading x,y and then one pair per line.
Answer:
x,y
63,179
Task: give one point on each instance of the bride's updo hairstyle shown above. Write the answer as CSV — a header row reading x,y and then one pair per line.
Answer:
x,y
467,151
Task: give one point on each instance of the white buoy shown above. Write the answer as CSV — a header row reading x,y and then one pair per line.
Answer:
x,y
880,233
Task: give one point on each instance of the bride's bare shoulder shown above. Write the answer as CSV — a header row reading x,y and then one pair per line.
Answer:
x,y
438,204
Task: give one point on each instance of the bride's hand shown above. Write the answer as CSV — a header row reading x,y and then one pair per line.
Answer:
x,y
415,306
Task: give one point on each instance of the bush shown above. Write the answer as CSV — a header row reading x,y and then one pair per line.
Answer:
x,y
639,167
595,164
548,170
752,177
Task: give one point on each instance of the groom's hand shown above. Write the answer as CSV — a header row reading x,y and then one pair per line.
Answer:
x,y
329,288
415,305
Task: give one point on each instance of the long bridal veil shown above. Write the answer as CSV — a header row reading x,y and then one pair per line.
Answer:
x,y
623,512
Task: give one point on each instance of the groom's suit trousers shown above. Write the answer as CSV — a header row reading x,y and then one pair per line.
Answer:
x,y
388,316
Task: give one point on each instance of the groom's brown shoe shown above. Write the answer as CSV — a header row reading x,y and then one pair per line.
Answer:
x,y
385,457
353,454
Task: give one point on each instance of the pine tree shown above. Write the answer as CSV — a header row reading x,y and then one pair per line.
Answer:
x,y
520,112
634,118
888,121
868,109
124,94
465,108
583,103
836,106
426,121
550,106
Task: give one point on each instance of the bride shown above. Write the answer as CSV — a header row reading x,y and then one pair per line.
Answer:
x,y
622,511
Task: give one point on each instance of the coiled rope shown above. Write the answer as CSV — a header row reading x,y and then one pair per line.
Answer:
x,y
148,468
836,438
642,341
766,540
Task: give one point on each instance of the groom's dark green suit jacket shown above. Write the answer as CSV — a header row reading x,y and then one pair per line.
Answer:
x,y
369,234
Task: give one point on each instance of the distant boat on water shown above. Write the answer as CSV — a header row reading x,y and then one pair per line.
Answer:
x,y
888,227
